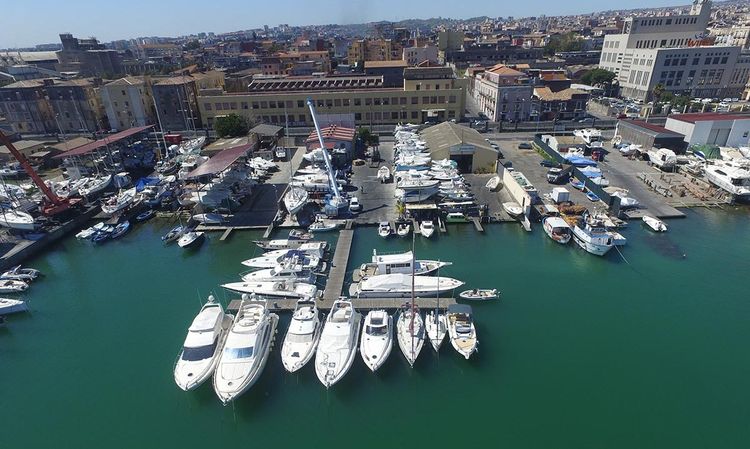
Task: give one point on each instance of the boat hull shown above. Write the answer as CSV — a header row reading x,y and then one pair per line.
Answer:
x,y
592,248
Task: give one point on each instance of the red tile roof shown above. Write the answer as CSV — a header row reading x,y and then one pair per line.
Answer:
x,y
333,132
651,127
708,116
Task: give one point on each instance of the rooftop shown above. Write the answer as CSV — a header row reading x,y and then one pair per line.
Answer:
x,y
305,83
71,144
709,116
265,129
126,81
654,130
333,132
546,94
447,134
21,145
174,81
502,70
385,64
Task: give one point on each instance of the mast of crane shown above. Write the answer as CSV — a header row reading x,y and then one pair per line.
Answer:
x,y
329,167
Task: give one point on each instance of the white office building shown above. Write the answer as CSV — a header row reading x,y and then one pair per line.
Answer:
x,y
676,52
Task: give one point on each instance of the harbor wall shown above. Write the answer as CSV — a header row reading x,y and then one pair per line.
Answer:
x,y
28,249
515,190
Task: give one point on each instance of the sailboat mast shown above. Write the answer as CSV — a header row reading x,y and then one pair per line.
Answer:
x,y
411,326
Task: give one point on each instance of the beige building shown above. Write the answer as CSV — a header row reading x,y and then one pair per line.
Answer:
x,y
128,103
373,50
417,55
462,144
429,94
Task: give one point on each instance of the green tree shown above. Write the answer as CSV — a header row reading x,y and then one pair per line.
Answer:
x,y
563,42
598,77
659,90
367,137
192,45
231,125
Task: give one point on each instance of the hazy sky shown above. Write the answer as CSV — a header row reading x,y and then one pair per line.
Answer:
x,y
30,22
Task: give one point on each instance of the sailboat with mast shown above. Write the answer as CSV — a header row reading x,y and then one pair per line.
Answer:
x,y
410,328
436,324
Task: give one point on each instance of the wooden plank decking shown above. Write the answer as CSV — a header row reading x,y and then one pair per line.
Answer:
x,y
339,262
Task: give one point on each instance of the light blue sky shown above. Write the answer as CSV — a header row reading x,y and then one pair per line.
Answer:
x,y
30,22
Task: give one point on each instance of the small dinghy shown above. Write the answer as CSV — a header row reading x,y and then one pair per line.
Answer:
x,y
210,219
403,229
478,294
120,230
654,223
577,184
384,229
297,234
592,196
493,183
384,174
513,209
322,226
146,215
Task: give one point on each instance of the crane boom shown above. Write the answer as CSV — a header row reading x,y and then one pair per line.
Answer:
x,y
329,168
54,199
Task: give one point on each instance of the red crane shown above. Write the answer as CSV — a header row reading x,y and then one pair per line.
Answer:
x,y
53,205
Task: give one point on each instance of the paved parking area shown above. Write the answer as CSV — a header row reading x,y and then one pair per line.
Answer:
x,y
378,202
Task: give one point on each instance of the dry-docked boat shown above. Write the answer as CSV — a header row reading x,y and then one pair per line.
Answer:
x,y
295,199
513,209
119,202
95,185
16,219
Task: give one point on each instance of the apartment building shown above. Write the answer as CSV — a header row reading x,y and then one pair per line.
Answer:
x,y
674,51
76,105
177,103
503,93
428,94
417,55
362,50
26,108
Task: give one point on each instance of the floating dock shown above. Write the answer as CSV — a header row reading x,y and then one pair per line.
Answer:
x,y
288,305
338,265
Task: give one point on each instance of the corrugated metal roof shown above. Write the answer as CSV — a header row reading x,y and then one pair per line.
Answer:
x,y
89,147
221,161
708,116
333,132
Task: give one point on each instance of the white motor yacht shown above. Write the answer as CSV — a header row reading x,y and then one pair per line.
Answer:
x,y
202,346
733,180
245,351
591,234
338,343
302,336
19,273
400,286
190,239
427,228
399,263
290,243
280,273
281,289
410,331
436,325
377,339
461,330
289,259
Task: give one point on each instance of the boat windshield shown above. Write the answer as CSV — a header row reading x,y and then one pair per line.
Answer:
x,y
199,353
237,353
376,330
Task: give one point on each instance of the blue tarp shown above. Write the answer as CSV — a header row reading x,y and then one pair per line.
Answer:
x,y
580,161
145,182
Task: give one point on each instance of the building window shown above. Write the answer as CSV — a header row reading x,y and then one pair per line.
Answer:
x,y
218,107
226,106
414,115
289,104
300,104
233,106
414,100
357,102
357,116
244,105
337,102
207,106
401,100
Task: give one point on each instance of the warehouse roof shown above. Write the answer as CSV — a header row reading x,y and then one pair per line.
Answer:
x,y
448,134
651,129
265,129
89,147
221,161
709,116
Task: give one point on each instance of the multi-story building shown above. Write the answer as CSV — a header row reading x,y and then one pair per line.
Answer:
x,y
736,36
450,40
417,55
127,103
362,50
555,99
488,54
391,71
673,51
25,106
177,103
503,93
428,94
87,57
77,106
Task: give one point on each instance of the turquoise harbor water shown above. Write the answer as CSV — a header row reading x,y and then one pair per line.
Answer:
x,y
580,352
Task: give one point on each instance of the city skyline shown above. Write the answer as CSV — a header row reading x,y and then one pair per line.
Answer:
x,y
133,23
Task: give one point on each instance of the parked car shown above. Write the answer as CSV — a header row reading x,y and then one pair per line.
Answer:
x,y
586,120
354,204
550,163
525,146
555,176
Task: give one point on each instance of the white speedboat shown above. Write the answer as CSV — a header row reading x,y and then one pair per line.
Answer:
x,y
410,331
654,223
295,199
384,229
384,174
118,202
479,294
557,229
403,229
192,145
190,239
590,234
12,286
302,336
16,219
280,289
338,343
399,263
18,273
436,325
202,346
409,185
377,339
210,219
513,209
280,273
245,351
95,185
400,286
427,228
323,226
461,330
8,306
415,196
493,183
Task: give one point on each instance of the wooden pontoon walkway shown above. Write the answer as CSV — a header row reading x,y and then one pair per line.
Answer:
x,y
287,305
338,265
